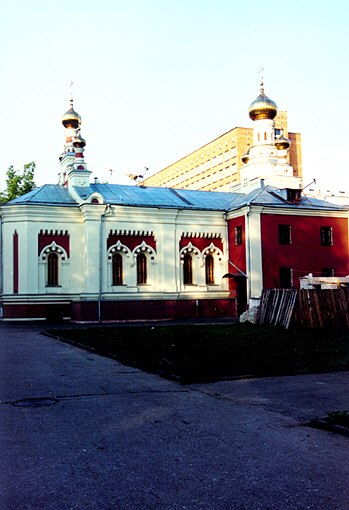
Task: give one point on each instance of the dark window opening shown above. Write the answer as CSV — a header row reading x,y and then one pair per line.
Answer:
x,y
141,269
52,269
209,270
117,269
326,236
327,271
285,274
238,235
187,269
284,234
294,195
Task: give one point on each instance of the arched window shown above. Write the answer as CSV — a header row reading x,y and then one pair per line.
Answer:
x,y
117,271
52,269
141,269
209,269
187,269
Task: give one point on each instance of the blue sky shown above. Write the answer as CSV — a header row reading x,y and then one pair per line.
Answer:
x,y
154,80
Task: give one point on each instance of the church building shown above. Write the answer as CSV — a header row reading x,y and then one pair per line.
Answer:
x,y
87,251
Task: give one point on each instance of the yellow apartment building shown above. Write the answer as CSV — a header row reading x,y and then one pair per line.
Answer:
x,y
216,165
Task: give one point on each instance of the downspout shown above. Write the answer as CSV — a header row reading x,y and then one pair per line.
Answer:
x,y
1,256
107,210
1,267
177,262
248,258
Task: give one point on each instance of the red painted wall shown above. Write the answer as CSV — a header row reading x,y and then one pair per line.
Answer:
x,y
305,254
237,253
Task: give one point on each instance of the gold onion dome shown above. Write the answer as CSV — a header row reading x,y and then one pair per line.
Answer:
x,y
282,143
78,141
262,107
245,157
71,118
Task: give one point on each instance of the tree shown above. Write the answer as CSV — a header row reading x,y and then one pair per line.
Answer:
x,y
18,183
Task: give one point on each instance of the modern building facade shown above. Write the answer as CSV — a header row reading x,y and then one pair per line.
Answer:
x,y
94,252
216,166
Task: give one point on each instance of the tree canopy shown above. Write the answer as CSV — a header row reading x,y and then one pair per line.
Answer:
x,y
18,183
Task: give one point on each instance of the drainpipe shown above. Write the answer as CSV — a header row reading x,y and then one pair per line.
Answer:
x,y
1,267
248,258
1,256
107,210
177,262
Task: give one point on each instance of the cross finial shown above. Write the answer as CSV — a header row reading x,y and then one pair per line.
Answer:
x,y
71,92
261,79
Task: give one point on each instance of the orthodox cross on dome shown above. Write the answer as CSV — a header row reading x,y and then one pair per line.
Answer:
x,y
261,79
71,89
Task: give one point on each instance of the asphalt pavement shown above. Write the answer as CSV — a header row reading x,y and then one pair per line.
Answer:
x,y
79,431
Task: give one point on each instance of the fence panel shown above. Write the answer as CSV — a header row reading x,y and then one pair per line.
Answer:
x,y
310,308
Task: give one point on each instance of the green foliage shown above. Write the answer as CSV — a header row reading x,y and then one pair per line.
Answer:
x,y
338,418
18,183
199,353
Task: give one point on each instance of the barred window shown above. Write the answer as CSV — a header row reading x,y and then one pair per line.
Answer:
x,y
117,269
141,269
187,269
238,235
209,269
326,236
52,269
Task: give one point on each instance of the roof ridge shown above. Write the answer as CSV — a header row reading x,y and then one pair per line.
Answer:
x,y
175,192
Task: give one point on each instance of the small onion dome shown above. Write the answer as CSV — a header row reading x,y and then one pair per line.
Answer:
x,y
262,107
71,118
246,157
78,141
282,143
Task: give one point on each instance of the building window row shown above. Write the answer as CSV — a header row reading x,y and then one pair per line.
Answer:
x,y
284,234
188,270
286,276
117,275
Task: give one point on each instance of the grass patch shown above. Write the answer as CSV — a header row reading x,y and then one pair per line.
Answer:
x,y
202,353
335,421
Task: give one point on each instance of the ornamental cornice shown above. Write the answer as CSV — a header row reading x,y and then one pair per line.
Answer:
x,y
203,235
130,232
